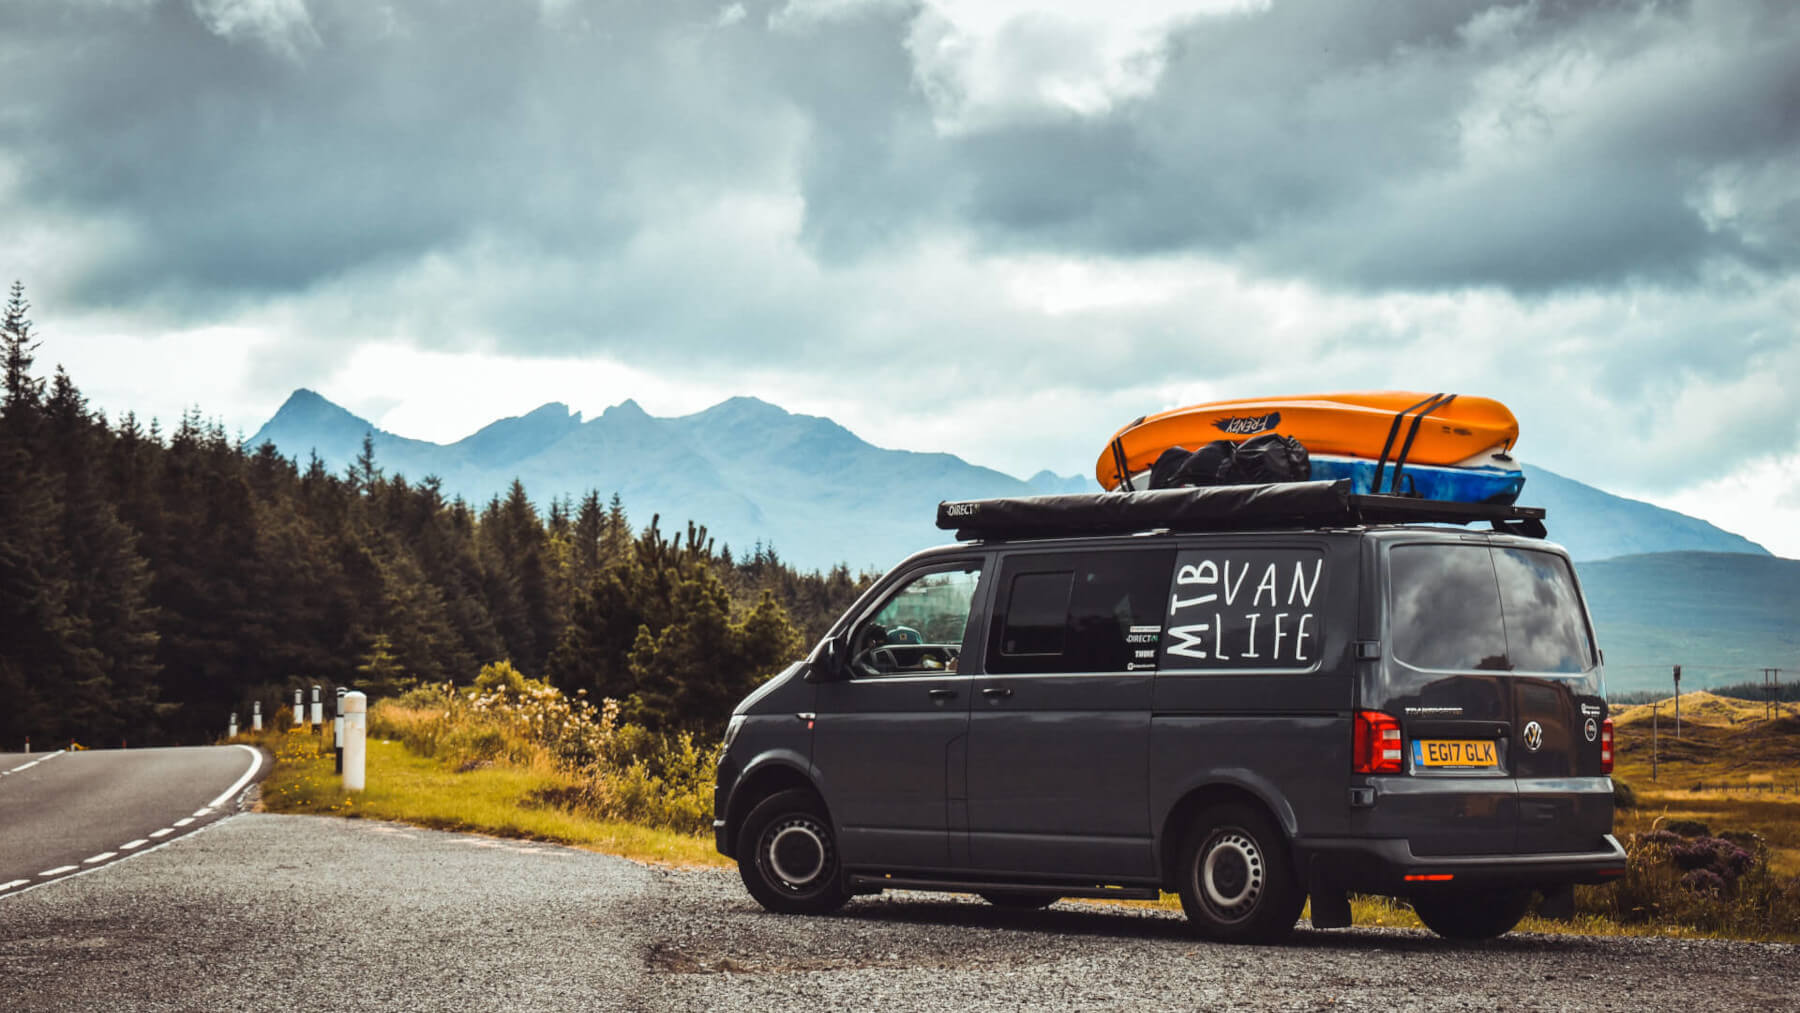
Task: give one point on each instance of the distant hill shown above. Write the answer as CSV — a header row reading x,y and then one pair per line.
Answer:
x,y
747,469
1593,524
1721,616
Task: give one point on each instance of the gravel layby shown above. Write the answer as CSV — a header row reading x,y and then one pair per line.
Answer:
x,y
300,913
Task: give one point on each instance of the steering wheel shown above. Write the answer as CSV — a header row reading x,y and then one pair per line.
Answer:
x,y
882,657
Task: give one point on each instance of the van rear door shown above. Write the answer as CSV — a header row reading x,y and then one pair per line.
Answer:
x,y
1565,800
1491,671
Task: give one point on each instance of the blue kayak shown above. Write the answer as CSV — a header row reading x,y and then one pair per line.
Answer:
x,y
1483,484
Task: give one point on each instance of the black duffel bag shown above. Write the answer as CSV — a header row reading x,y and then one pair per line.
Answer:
x,y
1270,457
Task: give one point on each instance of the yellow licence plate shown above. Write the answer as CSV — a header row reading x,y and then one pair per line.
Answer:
x,y
1454,753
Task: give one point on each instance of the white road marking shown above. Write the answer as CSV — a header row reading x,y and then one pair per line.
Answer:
x,y
59,870
128,845
101,857
203,812
75,873
33,763
184,821
8,886
164,832
255,765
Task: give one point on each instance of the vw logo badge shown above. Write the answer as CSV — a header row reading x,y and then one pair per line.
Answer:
x,y
1534,736
1591,730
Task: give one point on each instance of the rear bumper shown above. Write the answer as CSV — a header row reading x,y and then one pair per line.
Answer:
x,y
1383,865
721,840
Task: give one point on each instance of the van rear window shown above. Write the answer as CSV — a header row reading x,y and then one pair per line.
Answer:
x,y
1472,608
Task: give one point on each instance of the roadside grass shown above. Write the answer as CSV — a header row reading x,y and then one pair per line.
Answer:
x,y
495,799
513,758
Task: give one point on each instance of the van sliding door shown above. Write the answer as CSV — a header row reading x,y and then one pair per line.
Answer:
x,y
1059,721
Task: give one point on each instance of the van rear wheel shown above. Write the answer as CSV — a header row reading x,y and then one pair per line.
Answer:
x,y
787,855
1472,914
1236,877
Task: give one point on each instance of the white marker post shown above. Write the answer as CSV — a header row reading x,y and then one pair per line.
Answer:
x,y
299,710
337,729
318,711
231,729
256,715
356,727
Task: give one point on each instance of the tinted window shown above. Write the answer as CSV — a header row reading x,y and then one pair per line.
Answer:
x,y
1445,607
1080,612
1545,631
1037,612
1469,608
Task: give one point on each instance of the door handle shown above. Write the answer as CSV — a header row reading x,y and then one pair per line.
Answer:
x,y
997,692
942,694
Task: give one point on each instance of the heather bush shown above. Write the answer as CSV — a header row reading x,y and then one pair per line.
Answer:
x,y
1719,884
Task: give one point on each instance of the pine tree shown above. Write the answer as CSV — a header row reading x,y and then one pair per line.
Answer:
x,y
23,392
381,674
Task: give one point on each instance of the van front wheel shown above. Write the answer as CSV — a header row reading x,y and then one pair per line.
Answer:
x,y
1237,881
787,855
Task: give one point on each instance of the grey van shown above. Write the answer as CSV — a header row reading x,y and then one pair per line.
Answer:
x,y
1245,695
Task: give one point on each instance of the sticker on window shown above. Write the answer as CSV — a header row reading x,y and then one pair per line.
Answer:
x,y
1245,609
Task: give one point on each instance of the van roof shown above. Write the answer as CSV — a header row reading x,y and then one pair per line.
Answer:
x,y
1281,506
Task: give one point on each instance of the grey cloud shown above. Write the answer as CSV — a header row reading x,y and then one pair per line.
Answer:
x,y
250,150
1533,147
242,168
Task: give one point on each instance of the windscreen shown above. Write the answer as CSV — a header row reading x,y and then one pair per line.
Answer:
x,y
1473,608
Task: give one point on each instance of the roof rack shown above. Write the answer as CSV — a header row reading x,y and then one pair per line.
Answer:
x,y
1217,508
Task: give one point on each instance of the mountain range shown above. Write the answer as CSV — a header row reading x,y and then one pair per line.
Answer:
x,y
813,490
1664,588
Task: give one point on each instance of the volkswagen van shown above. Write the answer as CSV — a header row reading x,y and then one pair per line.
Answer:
x,y
1248,696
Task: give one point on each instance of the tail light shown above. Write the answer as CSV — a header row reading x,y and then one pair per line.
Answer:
x,y
1606,749
1376,745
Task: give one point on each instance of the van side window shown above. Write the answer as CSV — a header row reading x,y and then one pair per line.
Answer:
x,y
919,628
1037,614
1076,612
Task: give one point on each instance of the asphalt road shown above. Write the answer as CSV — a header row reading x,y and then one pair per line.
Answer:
x,y
304,913
62,814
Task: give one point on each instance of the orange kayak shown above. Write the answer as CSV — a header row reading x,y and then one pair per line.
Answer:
x,y
1462,430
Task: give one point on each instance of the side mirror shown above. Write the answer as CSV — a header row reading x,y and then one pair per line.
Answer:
x,y
827,661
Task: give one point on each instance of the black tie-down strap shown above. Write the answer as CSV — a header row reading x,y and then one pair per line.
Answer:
x,y
1423,408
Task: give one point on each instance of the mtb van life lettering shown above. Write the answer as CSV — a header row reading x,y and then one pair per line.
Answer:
x,y
1244,610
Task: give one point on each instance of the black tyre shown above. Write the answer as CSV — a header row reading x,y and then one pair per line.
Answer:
x,y
1019,901
1236,877
1472,914
788,856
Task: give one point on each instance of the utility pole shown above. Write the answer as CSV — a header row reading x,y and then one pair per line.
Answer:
x,y
1772,690
1678,701
1655,736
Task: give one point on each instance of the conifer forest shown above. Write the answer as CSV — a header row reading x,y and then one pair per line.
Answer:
x,y
152,581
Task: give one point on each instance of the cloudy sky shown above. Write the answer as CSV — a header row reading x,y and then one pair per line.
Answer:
x,y
991,227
